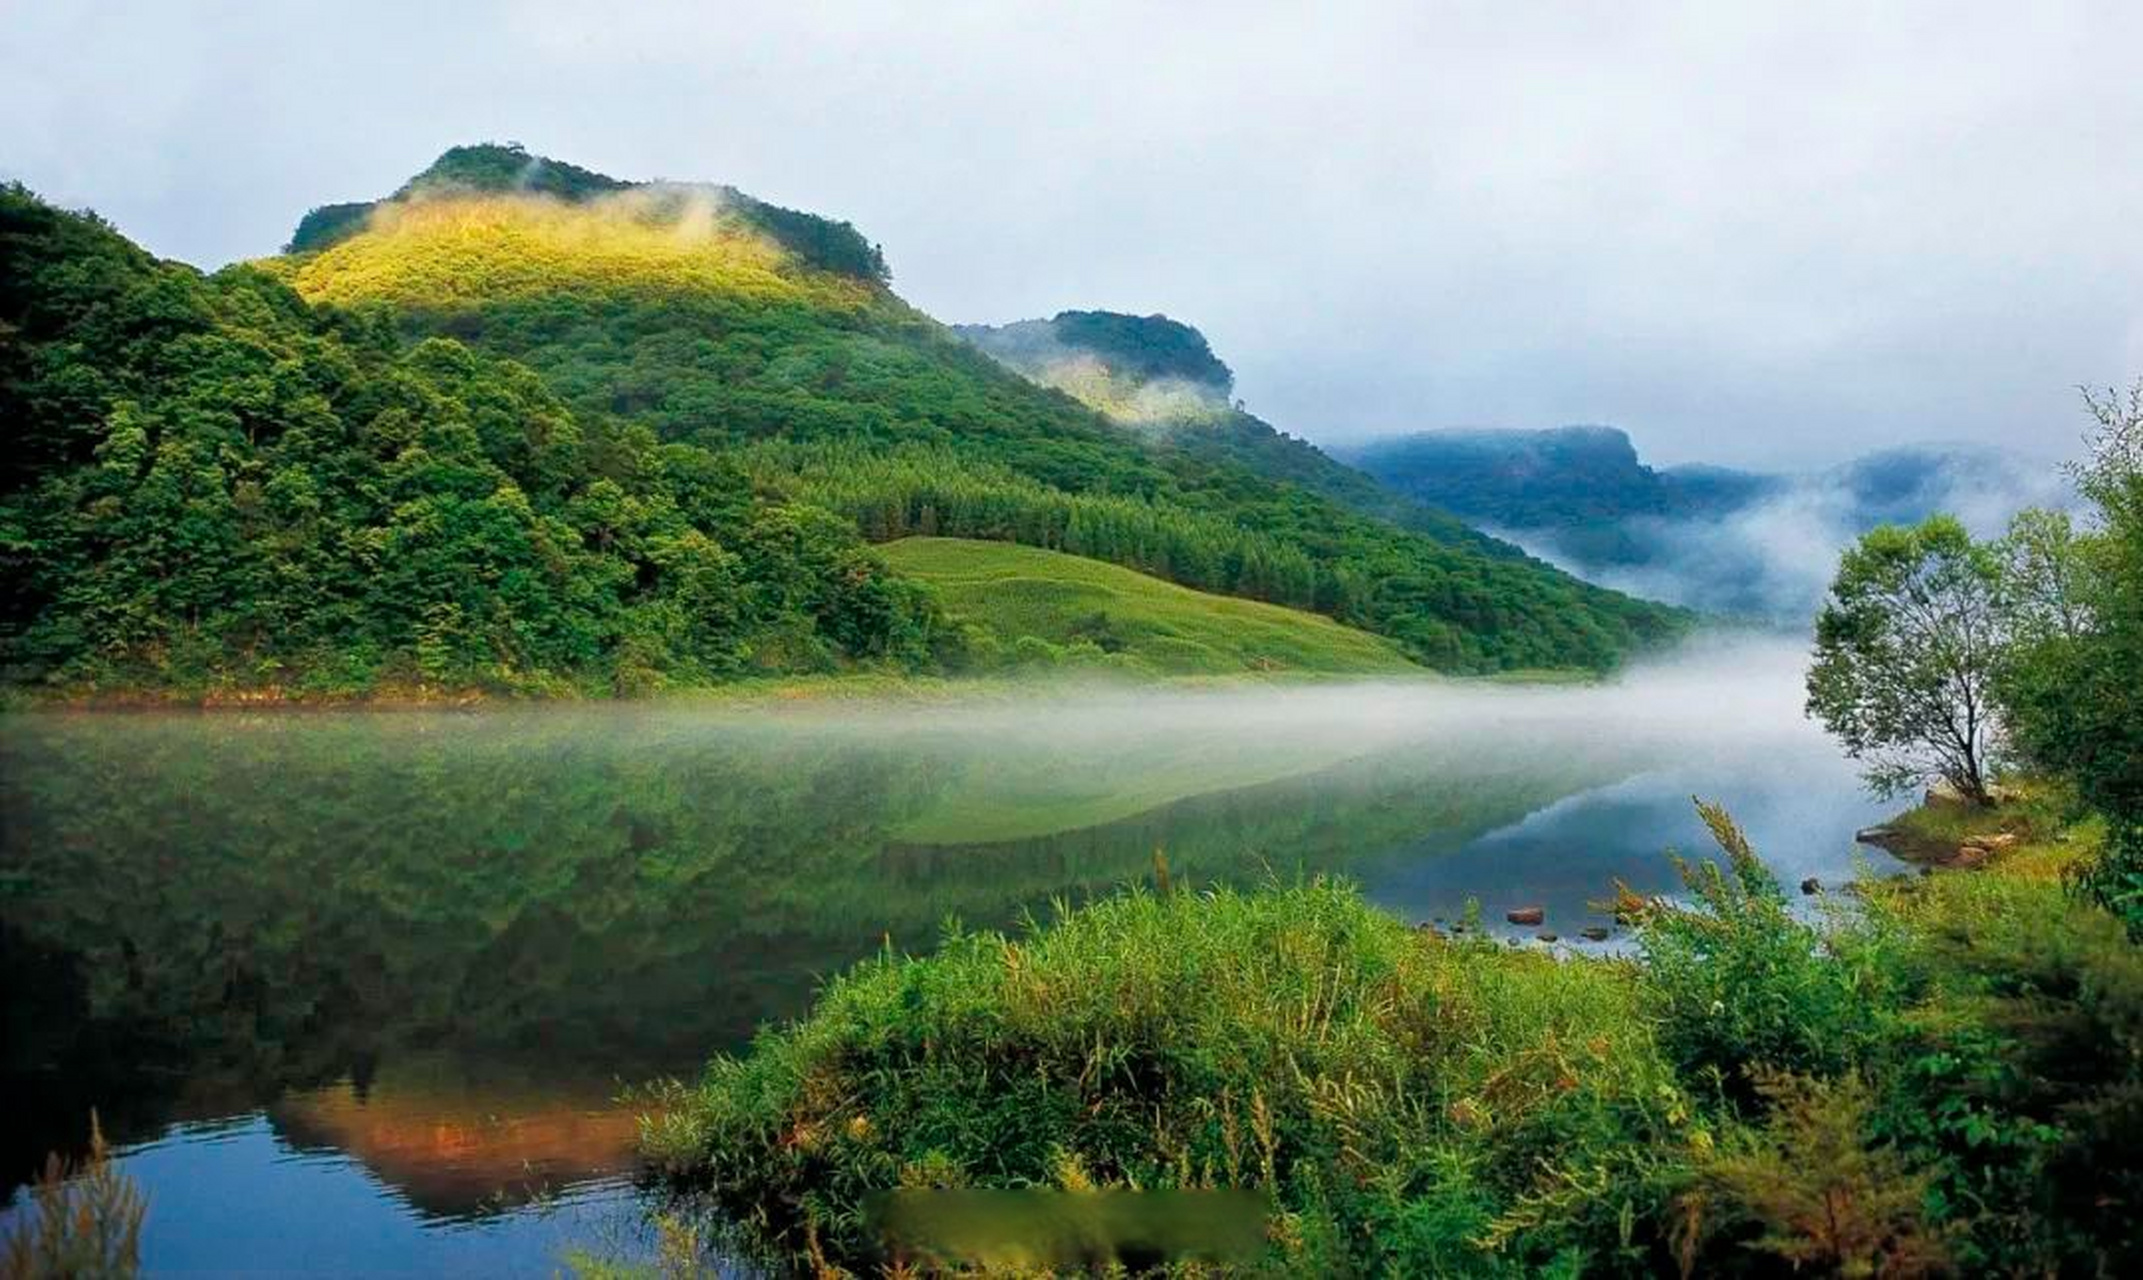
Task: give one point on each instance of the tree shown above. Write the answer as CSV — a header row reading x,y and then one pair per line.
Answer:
x,y
1906,650
2073,694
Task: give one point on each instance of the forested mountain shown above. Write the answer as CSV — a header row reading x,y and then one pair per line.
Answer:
x,y
1160,376
1558,477
208,480
522,424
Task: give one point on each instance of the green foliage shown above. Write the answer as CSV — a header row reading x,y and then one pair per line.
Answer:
x,y
1412,1105
1018,592
1738,983
2072,688
1948,1079
1147,347
491,166
326,224
1906,652
212,485
933,492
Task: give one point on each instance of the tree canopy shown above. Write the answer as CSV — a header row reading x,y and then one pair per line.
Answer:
x,y
209,481
1906,650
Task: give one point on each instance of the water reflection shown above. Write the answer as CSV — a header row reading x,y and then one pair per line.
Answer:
x,y
427,949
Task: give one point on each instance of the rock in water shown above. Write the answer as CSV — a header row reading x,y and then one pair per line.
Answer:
x,y
1526,915
1594,933
1811,886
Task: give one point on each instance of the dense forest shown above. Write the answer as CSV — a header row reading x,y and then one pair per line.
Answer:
x,y
209,480
522,426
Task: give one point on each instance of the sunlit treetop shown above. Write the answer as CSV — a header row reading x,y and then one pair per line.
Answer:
x,y
509,169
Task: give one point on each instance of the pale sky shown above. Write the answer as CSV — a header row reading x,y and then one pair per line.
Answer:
x,y
1760,234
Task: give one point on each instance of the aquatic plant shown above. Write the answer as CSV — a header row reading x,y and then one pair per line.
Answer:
x,y
84,1221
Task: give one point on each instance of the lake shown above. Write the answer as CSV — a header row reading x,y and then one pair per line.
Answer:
x,y
360,991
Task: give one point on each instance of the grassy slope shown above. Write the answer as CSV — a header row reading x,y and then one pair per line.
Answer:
x,y
1016,591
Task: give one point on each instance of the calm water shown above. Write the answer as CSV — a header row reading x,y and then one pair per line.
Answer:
x,y
358,992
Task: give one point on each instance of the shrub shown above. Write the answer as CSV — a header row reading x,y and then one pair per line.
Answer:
x,y
1821,1193
1737,982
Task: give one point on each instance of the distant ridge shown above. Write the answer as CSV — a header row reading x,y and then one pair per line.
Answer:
x,y
1750,544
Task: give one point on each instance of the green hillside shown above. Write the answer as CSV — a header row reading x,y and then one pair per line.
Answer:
x,y
524,427
211,487
689,311
1137,622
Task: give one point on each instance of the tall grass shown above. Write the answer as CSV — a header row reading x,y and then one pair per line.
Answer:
x,y
84,1222
1949,1078
1401,1097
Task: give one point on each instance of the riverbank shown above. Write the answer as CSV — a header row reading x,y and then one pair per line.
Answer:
x,y
1936,1078
768,691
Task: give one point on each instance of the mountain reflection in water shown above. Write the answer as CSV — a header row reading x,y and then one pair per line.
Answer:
x,y
432,948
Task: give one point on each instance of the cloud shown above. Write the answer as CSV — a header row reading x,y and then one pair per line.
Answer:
x,y
1752,236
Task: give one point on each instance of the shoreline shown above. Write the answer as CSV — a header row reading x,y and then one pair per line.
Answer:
x,y
754,692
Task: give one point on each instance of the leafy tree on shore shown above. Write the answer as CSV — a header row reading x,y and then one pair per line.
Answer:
x,y
2072,689
1906,652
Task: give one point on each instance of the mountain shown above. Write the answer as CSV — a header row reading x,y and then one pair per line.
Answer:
x,y
1160,376
1759,545
671,307
1139,370
211,485
523,425
1555,478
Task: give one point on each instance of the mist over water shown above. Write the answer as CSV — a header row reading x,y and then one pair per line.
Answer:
x,y
406,959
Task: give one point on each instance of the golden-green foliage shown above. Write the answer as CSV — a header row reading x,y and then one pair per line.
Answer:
x,y
452,252
1823,1194
83,1224
1137,622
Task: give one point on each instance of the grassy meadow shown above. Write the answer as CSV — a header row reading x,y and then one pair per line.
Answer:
x,y
1138,623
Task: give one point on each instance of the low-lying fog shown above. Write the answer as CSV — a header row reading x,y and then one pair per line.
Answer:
x,y
534,903
1720,687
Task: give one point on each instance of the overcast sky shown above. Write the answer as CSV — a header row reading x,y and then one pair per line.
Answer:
x,y
1745,238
